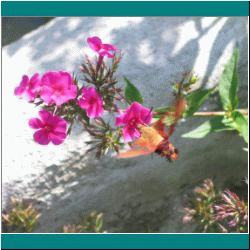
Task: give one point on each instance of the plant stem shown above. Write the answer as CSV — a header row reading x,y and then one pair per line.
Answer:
x,y
204,114
218,113
99,63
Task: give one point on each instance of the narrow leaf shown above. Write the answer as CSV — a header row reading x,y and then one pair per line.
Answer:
x,y
214,125
132,93
84,116
229,83
195,100
241,124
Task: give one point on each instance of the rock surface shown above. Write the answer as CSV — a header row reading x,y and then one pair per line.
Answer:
x,y
135,195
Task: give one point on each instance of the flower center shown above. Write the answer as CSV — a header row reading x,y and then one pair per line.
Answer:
x,y
58,90
92,101
29,86
48,128
133,122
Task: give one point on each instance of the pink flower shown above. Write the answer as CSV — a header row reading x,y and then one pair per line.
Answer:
x,y
51,128
58,87
28,87
92,102
96,44
135,115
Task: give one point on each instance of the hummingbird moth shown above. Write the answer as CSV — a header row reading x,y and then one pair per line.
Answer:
x,y
155,139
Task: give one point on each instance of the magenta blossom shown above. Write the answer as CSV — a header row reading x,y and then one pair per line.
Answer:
x,y
51,128
28,87
135,115
96,44
58,87
92,102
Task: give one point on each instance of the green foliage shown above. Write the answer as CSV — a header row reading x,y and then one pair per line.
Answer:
x,y
201,207
132,93
21,218
241,124
215,211
233,119
104,137
229,84
92,224
83,115
186,84
217,124
195,100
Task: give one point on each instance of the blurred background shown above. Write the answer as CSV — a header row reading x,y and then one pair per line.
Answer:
x,y
13,28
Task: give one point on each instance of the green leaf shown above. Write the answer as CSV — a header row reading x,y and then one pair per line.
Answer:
x,y
84,115
241,124
229,83
195,100
214,125
132,93
99,223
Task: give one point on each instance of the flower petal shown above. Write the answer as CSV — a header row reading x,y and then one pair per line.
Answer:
x,y
41,137
127,134
24,81
57,138
91,111
146,115
57,87
99,110
119,120
61,127
94,43
44,114
46,94
137,133
30,96
92,102
109,47
35,78
82,104
19,90
35,123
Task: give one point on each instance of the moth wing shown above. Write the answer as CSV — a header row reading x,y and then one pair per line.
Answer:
x,y
180,107
159,126
133,152
145,145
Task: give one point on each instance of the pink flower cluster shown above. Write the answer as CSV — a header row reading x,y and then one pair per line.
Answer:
x,y
232,209
53,87
57,87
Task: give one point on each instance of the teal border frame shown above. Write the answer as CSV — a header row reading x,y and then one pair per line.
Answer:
x,y
125,241
125,8
122,241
